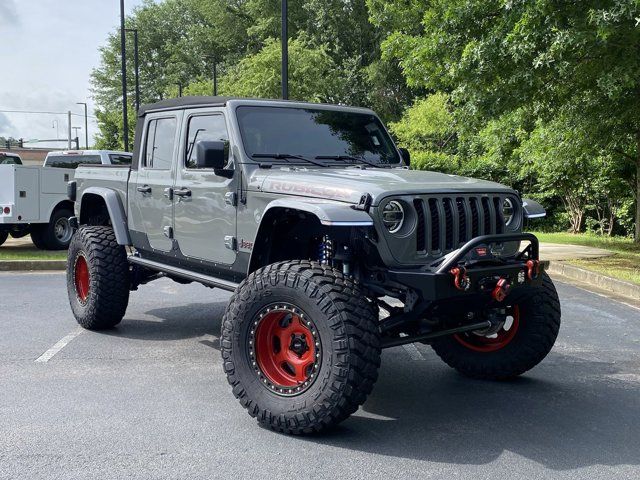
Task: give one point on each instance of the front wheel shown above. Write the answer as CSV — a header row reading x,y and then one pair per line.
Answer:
x,y
300,346
98,278
524,340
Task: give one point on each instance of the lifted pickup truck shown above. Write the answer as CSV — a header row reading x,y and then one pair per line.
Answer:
x,y
332,247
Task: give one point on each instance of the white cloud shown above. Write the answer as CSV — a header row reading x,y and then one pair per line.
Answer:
x,y
51,48
8,13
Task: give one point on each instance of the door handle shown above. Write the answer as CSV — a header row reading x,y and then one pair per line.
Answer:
x,y
182,192
144,189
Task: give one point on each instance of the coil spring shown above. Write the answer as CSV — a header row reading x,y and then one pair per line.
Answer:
x,y
325,250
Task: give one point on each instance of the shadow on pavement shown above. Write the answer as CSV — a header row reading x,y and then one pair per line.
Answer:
x,y
174,323
591,416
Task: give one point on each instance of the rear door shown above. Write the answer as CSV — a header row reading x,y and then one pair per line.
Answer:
x,y
156,175
205,218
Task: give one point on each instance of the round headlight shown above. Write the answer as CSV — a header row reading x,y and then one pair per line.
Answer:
x,y
393,216
508,211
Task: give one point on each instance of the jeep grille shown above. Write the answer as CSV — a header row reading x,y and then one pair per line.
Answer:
x,y
445,223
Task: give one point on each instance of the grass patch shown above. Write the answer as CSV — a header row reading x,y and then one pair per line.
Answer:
x,y
623,265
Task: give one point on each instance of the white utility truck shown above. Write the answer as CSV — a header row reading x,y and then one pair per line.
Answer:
x,y
33,199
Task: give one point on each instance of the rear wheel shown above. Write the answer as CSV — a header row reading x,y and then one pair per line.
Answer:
x,y
55,235
524,339
300,346
3,237
98,278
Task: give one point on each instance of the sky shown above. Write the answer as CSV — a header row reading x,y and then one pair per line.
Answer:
x,y
47,51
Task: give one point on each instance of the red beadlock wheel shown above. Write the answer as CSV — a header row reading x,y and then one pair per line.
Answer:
x,y
81,278
496,341
285,349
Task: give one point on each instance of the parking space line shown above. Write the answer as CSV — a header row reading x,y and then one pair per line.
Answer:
x,y
413,351
60,344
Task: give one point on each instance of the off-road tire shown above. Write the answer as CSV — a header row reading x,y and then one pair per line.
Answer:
x,y
109,278
346,324
3,237
44,235
539,323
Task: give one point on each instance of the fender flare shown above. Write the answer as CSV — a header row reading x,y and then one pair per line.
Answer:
x,y
330,214
115,209
333,214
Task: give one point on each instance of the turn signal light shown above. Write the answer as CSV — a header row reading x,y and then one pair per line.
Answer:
x,y
6,210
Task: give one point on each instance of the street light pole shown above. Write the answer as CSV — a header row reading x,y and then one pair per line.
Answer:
x,y
69,125
285,52
137,64
215,77
86,125
123,59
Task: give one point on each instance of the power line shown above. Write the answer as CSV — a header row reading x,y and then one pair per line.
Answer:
x,y
45,113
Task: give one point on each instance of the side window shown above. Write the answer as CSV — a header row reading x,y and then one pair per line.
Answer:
x,y
159,144
204,127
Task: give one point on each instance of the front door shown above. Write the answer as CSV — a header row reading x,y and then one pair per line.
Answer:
x,y
204,203
155,178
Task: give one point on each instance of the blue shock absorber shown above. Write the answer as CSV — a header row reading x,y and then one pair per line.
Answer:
x,y
325,251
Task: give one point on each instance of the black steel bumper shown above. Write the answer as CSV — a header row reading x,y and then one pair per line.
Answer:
x,y
474,270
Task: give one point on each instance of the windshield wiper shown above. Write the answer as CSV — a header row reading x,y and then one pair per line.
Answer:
x,y
349,157
288,156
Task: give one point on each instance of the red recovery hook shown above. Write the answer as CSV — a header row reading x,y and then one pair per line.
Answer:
x,y
460,279
533,269
502,290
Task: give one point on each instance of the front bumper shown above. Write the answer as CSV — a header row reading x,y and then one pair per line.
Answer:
x,y
474,271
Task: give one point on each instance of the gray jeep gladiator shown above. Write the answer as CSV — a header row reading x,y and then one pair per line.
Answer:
x,y
333,248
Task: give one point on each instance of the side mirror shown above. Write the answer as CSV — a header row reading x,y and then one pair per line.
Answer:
x,y
533,209
211,154
406,156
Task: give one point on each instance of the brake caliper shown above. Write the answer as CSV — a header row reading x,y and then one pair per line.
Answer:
x,y
460,279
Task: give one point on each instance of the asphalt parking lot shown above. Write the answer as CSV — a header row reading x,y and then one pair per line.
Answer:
x,y
149,400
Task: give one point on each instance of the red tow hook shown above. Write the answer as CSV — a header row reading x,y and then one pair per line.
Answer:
x,y
460,278
533,269
502,290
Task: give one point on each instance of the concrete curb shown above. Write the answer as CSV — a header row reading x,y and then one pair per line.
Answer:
x,y
31,265
612,285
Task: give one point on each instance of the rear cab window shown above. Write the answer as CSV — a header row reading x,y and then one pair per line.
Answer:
x,y
71,161
119,159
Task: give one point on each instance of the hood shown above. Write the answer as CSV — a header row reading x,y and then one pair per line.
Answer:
x,y
349,184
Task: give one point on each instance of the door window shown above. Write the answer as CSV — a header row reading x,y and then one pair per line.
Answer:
x,y
161,134
204,127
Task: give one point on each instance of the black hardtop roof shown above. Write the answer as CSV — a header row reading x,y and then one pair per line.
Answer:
x,y
205,101
183,102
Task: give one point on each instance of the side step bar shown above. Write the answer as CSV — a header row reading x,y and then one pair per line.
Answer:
x,y
182,273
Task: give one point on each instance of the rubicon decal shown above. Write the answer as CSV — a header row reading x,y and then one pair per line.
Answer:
x,y
312,190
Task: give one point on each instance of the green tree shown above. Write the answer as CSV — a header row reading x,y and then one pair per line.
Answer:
x,y
545,57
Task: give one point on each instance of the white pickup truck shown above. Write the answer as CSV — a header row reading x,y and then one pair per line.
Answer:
x,y
33,199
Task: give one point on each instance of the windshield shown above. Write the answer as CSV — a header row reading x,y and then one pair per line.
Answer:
x,y
315,133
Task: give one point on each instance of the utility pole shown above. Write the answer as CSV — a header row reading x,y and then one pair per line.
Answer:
x,y
123,54
86,125
179,89
69,125
215,77
136,63
285,52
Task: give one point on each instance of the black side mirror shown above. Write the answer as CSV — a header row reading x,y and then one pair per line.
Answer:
x,y
406,156
211,154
